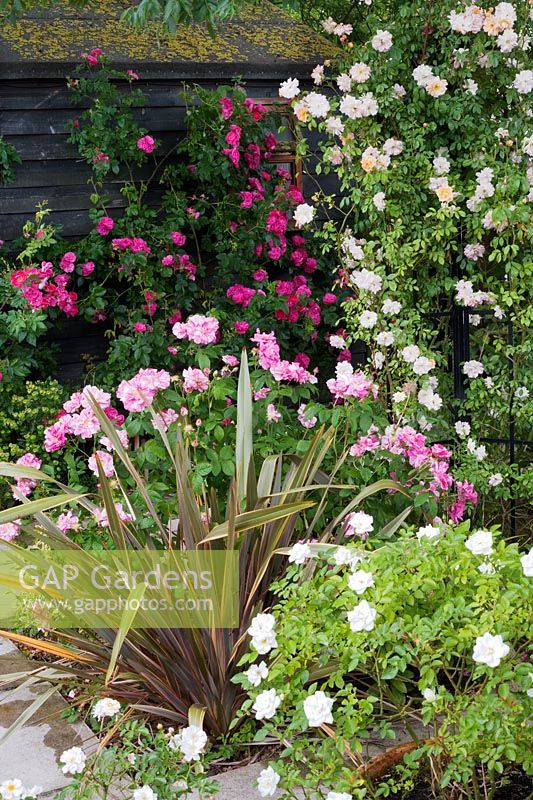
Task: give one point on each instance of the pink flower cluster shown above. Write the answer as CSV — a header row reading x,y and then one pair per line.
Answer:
x,y
134,245
348,383
9,530
465,494
42,288
295,293
414,448
233,138
26,486
241,295
92,58
195,380
269,359
198,329
138,392
78,418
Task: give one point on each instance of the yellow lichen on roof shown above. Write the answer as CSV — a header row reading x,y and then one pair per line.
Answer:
x,y
256,36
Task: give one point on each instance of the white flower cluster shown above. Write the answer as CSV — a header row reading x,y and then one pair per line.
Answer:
x,y
478,451
484,188
73,761
190,741
358,107
313,106
106,707
424,77
337,28
473,368
262,632
466,296
13,789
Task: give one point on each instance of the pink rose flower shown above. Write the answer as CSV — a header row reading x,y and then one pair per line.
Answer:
x,y
178,238
241,326
146,144
105,226
226,107
87,268
67,262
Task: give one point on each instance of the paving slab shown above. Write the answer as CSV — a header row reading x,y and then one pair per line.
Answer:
x,y
32,753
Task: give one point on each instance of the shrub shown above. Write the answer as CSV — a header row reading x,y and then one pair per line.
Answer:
x,y
431,630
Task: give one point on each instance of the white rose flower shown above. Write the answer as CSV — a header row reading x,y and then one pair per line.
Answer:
x,y
335,126
289,88
473,368
344,82
527,563
266,704
487,568
379,201
338,342
339,796
358,523
267,782
441,165
303,214
422,365
360,72
429,399
523,81
365,279
299,553
359,581
422,75
317,105
144,793
317,709
262,623
398,91
391,307
490,649
522,393
436,87
263,643
471,86
318,74
399,397
428,532
385,338
507,41
257,673
106,707
410,353
262,632
480,543
73,761
393,147
495,479
362,617
345,556
191,741
378,359
462,428
429,695
382,41
368,319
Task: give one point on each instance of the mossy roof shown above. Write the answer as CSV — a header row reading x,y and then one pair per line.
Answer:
x,y
260,36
